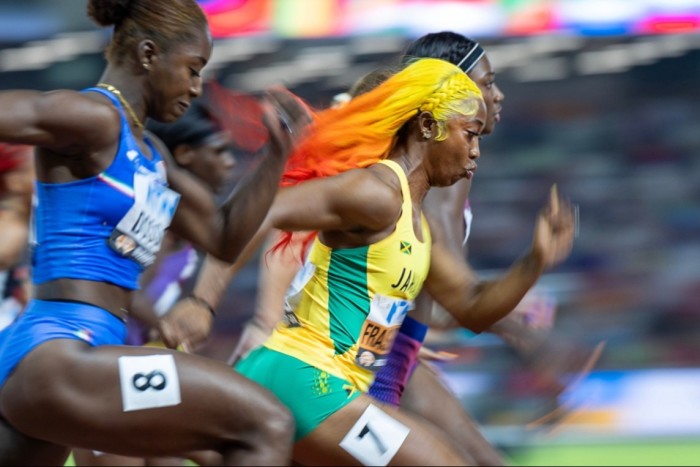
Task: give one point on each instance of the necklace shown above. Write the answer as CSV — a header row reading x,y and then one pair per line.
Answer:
x,y
124,102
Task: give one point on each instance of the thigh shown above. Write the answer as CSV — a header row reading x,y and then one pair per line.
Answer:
x,y
19,449
423,389
115,398
365,432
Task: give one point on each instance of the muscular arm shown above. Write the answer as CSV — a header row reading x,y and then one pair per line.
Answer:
x,y
479,304
224,232
322,204
66,122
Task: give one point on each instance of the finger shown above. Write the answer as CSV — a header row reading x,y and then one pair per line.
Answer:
x,y
166,335
185,347
554,199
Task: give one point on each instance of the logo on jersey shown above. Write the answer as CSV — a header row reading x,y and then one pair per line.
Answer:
x,y
406,248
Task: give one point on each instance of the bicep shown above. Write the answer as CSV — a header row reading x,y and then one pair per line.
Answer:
x,y
56,120
350,200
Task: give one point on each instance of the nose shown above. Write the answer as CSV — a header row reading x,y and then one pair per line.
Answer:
x,y
498,94
196,87
474,150
228,161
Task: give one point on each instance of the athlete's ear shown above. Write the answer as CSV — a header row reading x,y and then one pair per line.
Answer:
x,y
427,126
146,52
183,155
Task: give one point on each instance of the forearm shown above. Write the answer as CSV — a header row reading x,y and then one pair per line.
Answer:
x,y
517,334
246,208
276,272
490,301
213,280
215,275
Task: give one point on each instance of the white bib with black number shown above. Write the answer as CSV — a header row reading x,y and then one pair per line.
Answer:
x,y
140,232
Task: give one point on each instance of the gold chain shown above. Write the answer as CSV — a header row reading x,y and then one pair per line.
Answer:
x,y
124,102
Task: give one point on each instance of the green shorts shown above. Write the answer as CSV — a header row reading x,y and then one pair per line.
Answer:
x,y
312,395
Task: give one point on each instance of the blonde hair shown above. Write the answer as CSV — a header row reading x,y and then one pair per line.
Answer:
x,y
362,132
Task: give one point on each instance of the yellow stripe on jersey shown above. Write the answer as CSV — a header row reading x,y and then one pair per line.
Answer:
x,y
346,305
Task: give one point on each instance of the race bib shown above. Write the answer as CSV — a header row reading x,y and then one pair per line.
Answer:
x,y
379,330
293,296
140,232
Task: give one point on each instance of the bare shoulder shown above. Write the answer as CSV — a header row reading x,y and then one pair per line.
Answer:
x,y
378,190
78,117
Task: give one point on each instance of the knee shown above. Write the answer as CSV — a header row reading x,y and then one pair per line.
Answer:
x,y
277,422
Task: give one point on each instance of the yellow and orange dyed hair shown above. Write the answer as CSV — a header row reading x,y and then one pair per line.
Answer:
x,y
361,132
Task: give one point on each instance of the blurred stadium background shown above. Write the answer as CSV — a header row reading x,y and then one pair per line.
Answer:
x,y
602,97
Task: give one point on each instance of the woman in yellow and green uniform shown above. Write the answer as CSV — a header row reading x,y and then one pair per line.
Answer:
x,y
358,178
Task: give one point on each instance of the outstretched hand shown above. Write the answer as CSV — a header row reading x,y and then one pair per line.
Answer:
x,y
554,230
187,324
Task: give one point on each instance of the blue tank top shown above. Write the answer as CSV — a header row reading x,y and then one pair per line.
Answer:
x,y
105,228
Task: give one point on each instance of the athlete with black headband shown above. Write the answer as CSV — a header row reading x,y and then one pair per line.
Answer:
x,y
551,356
368,357
445,206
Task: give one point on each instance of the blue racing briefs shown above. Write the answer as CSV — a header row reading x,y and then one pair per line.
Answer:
x,y
45,320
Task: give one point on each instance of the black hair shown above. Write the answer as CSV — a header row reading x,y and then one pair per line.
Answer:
x,y
445,45
166,22
193,128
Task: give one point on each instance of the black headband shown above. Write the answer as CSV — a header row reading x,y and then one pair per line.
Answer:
x,y
471,58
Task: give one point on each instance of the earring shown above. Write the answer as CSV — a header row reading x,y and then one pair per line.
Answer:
x,y
426,133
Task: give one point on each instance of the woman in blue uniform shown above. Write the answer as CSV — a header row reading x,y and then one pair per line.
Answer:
x,y
106,193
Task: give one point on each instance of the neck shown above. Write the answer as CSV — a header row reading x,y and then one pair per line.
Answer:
x,y
415,173
129,87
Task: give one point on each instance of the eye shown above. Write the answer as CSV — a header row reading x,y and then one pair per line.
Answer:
x,y
195,73
489,84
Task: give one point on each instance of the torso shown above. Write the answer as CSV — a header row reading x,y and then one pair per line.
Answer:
x,y
105,168
346,304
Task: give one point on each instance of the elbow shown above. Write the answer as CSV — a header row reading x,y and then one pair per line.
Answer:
x,y
475,327
226,253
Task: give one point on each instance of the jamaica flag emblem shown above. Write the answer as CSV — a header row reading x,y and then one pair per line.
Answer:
x,y
405,248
